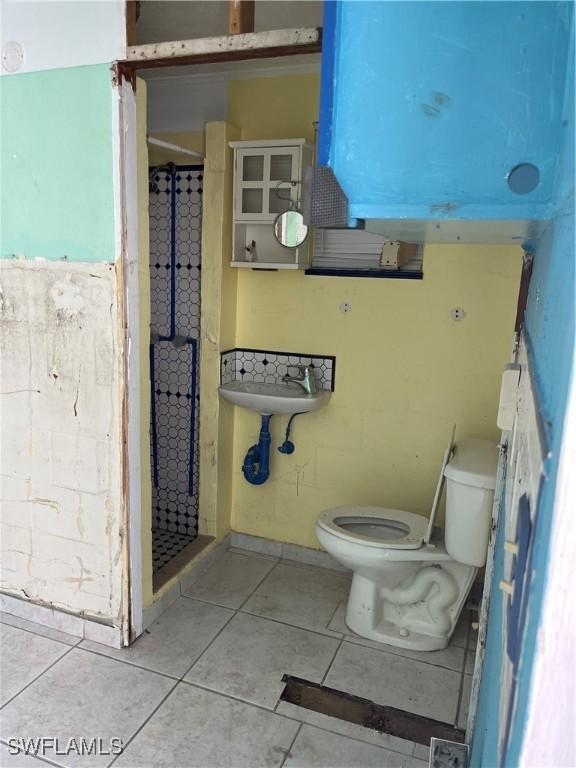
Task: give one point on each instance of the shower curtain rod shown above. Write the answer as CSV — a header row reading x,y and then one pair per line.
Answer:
x,y
174,147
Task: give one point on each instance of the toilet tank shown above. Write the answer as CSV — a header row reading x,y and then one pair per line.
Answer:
x,y
470,481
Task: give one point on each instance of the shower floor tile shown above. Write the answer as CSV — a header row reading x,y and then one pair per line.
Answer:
x,y
166,545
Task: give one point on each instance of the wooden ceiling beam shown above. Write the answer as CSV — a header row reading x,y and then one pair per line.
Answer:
x,y
251,45
132,13
240,16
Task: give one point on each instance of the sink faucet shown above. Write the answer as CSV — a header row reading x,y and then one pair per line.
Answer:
x,y
305,378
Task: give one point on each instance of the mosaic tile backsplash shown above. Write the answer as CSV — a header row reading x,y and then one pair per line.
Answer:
x,y
242,364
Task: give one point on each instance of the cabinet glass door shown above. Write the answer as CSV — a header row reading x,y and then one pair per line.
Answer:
x,y
265,182
250,183
284,171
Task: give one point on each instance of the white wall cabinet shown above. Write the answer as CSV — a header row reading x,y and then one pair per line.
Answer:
x,y
268,178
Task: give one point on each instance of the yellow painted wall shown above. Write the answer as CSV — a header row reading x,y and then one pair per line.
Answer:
x,y
405,370
218,323
275,107
194,141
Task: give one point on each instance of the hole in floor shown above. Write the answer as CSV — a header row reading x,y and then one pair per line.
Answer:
x,y
353,709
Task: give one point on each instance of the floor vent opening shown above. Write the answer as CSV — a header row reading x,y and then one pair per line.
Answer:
x,y
353,709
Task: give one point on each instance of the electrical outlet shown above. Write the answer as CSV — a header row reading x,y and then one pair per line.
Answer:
x,y
457,313
345,308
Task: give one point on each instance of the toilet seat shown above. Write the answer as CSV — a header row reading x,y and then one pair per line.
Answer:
x,y
376,526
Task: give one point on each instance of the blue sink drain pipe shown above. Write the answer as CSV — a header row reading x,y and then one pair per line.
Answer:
x,y
256,467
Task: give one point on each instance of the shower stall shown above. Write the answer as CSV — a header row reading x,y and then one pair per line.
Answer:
x,y
175,208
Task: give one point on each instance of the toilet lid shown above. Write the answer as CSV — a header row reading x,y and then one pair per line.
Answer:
x,y
376,526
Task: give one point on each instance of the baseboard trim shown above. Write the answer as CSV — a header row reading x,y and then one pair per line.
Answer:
x,y
77,626
285,551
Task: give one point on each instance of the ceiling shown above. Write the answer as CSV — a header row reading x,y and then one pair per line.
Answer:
x,y
185,98
237,70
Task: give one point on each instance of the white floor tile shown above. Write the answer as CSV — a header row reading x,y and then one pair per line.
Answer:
x,y
85,696
20,760
314,748
38,629
461,630
465,702
231,579
386,678
173,643
451,657
304,597
422,752
200,729
249,657
344,728
24,657
470,662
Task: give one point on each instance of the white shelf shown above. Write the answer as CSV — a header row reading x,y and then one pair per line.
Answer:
x,y
264,265
268,178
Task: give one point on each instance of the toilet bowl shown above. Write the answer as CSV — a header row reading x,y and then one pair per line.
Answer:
x,y
408,589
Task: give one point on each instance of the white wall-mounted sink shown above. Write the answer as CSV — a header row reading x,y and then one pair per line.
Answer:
x,y
268,399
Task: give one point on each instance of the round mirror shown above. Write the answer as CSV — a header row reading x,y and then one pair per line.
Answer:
x,y
289,229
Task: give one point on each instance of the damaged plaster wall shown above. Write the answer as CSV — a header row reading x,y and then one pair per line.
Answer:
x,y
61,525
62,377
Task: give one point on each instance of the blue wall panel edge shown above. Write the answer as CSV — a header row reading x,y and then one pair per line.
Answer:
x,y
327,84
551,340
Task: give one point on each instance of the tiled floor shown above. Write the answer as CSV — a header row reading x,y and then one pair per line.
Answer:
x,y
201,686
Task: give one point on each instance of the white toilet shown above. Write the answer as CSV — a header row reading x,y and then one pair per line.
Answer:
x,y
409,587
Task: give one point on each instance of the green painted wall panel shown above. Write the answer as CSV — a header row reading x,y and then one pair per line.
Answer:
x,y
57,170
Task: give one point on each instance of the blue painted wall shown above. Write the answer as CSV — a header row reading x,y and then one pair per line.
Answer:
x,y
550,327
427,106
